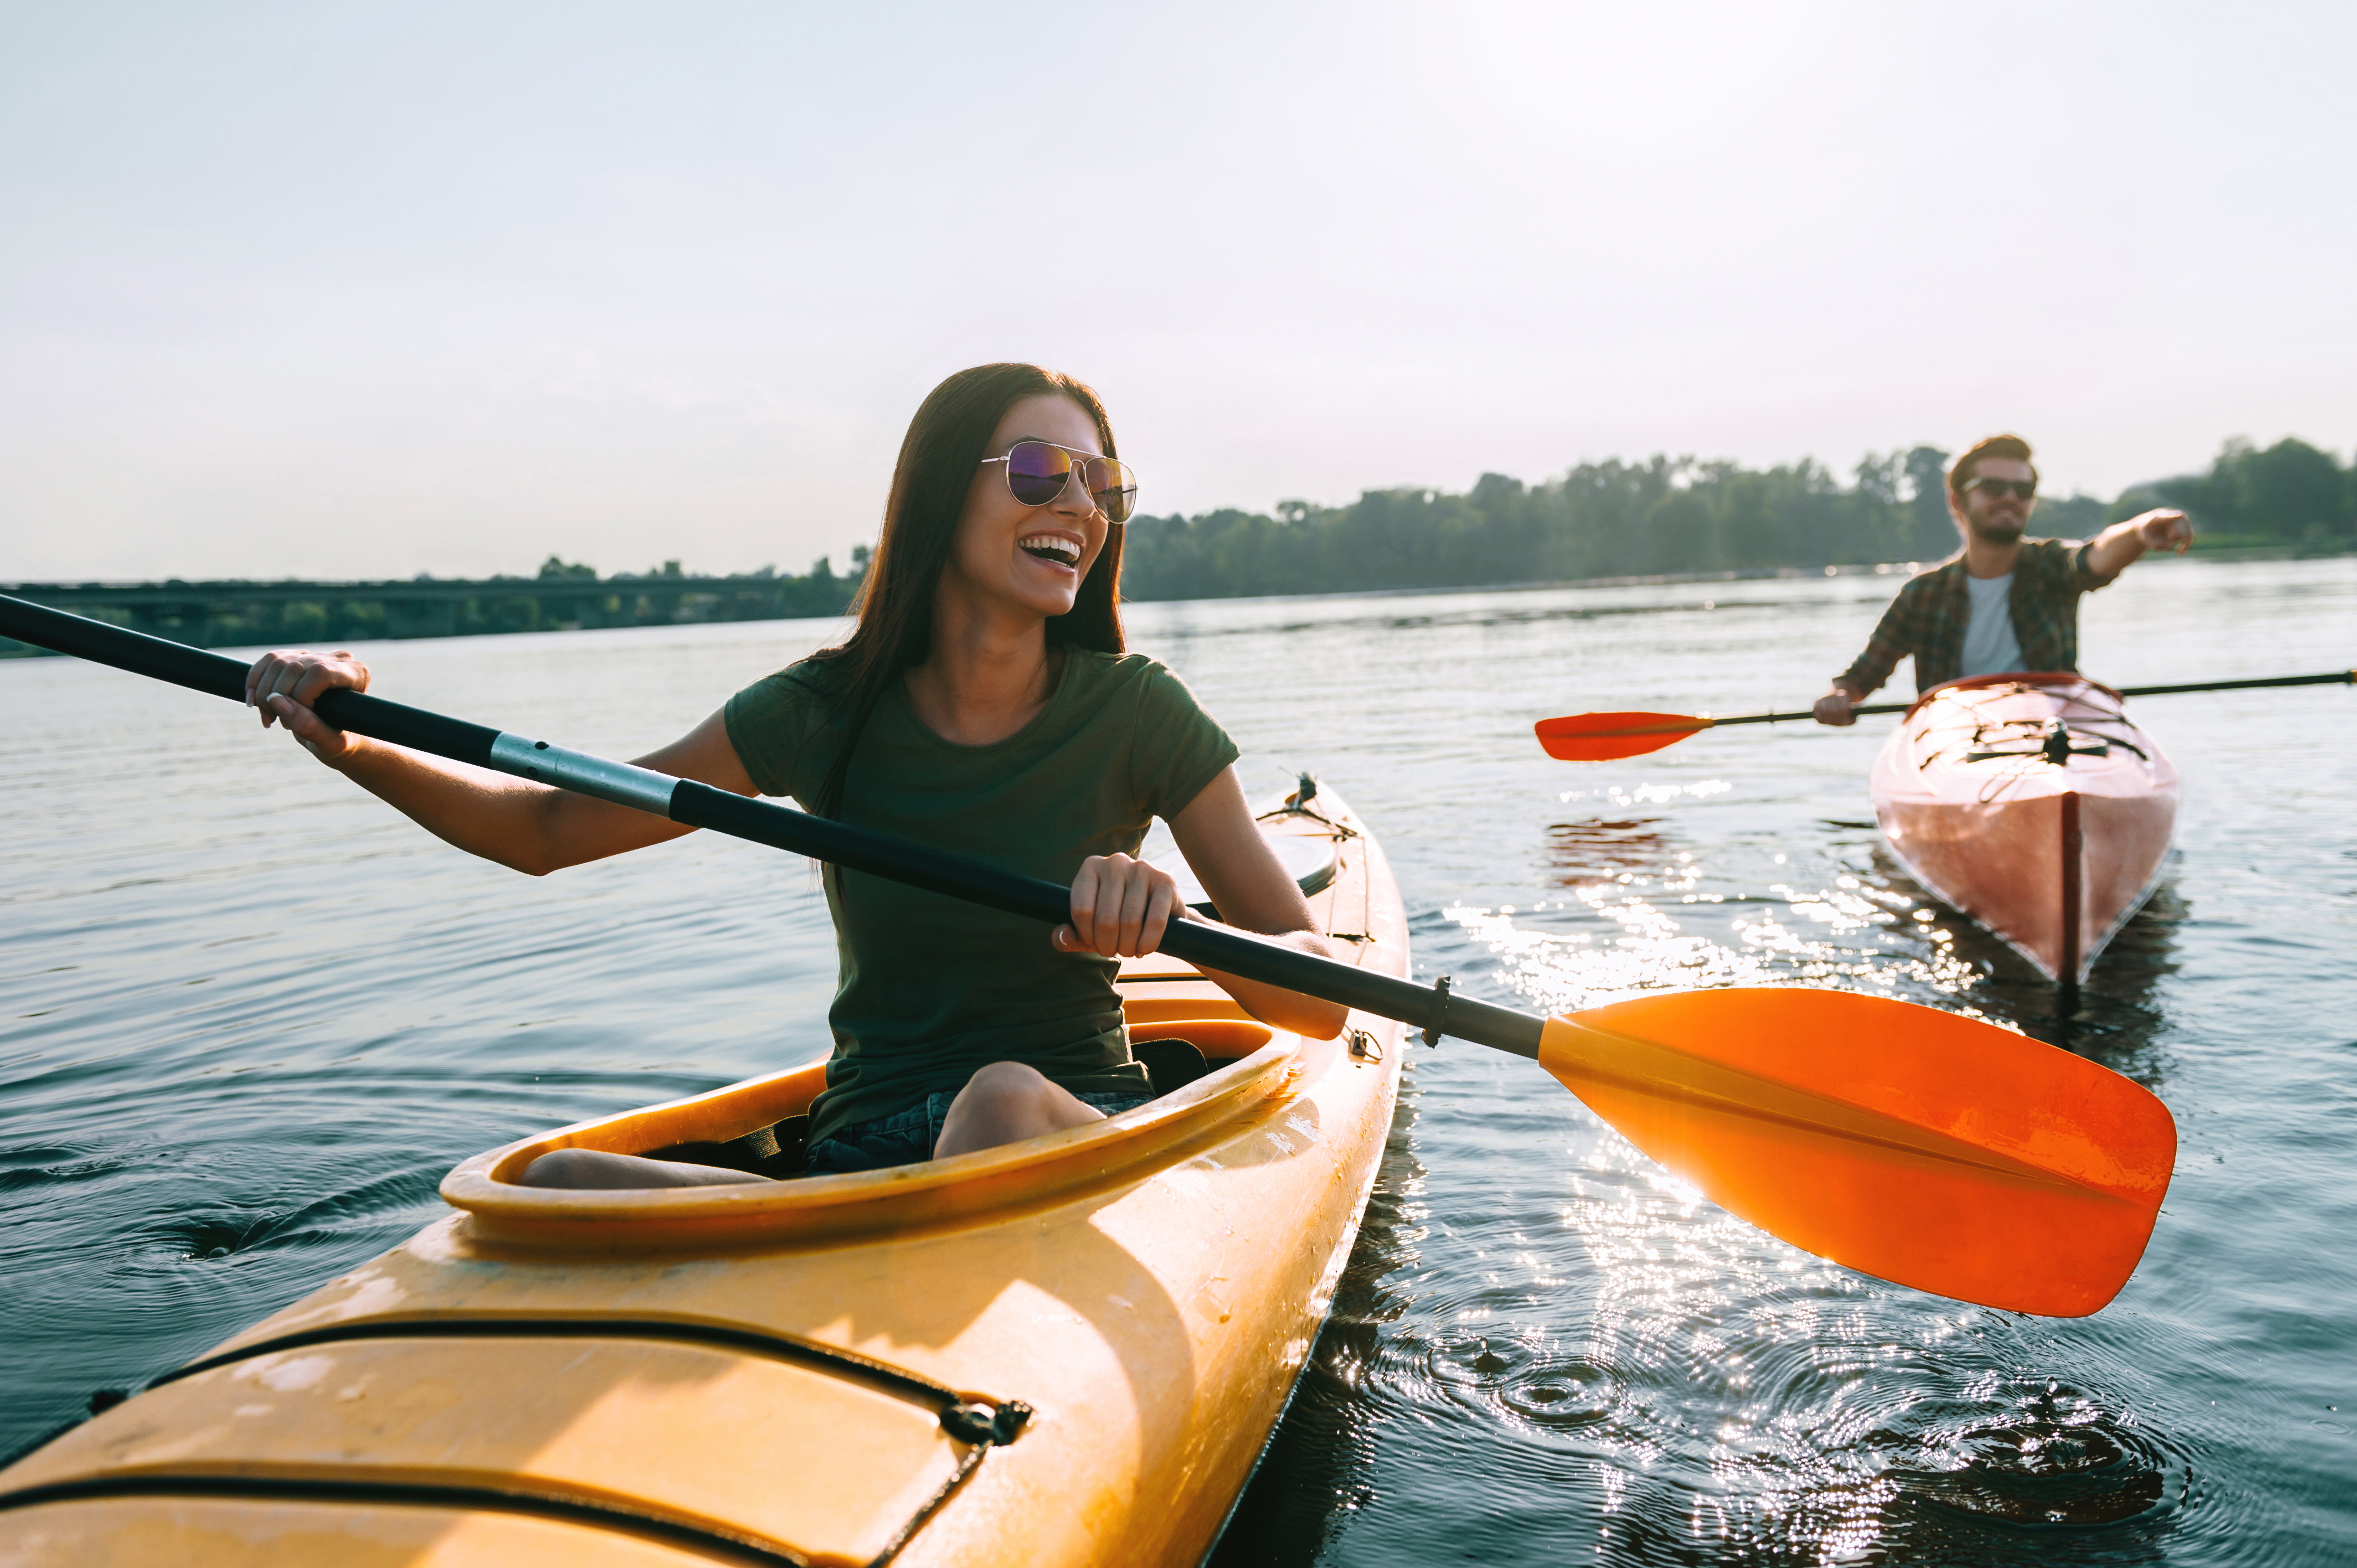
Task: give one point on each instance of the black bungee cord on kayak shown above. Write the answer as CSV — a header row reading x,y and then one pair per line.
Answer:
x,y
2050,738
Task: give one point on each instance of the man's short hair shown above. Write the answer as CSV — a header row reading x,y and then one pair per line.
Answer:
x,y
2012,446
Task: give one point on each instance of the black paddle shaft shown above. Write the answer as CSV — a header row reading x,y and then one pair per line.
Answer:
x,y
2336,678
1431,1008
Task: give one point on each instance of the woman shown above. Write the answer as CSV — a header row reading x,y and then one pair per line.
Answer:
x,y
984,703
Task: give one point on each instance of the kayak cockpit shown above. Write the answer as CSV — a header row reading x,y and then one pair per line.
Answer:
x,y
1248,1061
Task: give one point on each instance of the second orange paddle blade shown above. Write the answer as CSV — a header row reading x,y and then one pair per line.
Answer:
x,y
1601,737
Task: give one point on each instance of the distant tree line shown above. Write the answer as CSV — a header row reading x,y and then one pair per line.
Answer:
x,y
1672,515
1599,519
2289,493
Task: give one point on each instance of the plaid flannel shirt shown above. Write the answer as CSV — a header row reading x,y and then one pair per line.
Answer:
x,y
1929,616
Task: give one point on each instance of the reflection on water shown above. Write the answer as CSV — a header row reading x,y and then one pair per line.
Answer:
x,y
2110,1018
252,1019
1383,613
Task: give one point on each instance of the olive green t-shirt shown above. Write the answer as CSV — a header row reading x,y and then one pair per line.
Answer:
x,y
933,988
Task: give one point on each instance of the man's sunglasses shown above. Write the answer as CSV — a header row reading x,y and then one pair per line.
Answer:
x,y
2019,490
1038,472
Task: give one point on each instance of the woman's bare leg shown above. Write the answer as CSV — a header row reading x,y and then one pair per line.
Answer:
x,y
591,1168
1006,1103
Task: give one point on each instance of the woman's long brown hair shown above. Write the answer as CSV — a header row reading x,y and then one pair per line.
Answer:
x,y
947,443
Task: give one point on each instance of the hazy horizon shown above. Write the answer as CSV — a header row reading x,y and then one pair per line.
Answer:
x,y
366,290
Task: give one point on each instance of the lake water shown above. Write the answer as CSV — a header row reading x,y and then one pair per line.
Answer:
x,y
251,1016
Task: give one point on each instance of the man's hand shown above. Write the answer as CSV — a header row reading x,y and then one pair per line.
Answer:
x,y
1834,708
2122,544
2164,528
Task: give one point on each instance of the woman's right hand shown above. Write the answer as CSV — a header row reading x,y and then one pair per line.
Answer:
x,y
1120,907
284,685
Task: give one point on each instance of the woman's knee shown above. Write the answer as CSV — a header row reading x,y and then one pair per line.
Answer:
x,y
563,1167
594,1168
1006,1086
1002,1102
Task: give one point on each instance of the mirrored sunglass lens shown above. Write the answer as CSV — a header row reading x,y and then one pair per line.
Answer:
x,y
1113,486
1037,472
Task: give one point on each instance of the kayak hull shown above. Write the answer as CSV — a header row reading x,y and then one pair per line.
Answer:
x,y
2051,846
1068,1350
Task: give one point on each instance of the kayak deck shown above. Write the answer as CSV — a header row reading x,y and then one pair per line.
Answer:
x,y
2031,804
1065,1351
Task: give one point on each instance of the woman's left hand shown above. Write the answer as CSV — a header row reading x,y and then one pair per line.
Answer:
x,y
1120,907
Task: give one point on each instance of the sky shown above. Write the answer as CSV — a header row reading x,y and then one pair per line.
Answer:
x,y
361,290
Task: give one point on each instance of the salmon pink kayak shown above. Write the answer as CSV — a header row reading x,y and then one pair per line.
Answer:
x,y
2032,804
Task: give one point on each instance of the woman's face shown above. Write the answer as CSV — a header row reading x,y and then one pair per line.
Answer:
x,y
1031,556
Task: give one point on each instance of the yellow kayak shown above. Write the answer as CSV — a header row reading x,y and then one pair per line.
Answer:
x,y
1067,1350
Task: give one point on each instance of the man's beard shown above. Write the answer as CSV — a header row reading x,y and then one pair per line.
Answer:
x,y
1999,529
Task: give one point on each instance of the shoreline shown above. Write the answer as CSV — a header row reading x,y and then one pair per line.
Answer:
x,y
223,611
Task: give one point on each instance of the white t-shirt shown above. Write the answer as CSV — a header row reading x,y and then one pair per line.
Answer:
x,y
1990,648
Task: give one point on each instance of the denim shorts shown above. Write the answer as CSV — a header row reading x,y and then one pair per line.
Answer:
x,y
907,1137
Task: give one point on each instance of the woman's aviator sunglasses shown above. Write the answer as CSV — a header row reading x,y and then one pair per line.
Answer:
x,y
1037,471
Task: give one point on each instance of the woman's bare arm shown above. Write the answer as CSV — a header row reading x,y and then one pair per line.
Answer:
x,y
528,827
1221,841
1121,906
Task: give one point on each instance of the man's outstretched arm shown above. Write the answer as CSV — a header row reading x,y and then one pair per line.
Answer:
x,y
2120,546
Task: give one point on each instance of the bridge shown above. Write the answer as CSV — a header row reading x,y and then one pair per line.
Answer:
x,y
249,614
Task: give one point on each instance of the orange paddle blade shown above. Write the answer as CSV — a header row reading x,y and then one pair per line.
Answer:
x,y
1929,1149
1601,737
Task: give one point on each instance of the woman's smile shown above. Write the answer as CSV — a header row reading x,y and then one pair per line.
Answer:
x,y
1054,546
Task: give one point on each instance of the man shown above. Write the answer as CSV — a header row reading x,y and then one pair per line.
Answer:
x,y
2004,603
